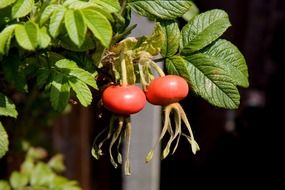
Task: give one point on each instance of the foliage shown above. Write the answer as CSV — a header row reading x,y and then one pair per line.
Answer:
x,y
63,50
34,174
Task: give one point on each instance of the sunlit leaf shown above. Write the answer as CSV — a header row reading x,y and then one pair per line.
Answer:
x,y
4,142
44,39
99,25
75,26
211,82
45,16
109,5
5,38
203,29
6,3
163,9
27,35
22,8
171,38
18,180
7,107
82,91
70,68
225,54
56,21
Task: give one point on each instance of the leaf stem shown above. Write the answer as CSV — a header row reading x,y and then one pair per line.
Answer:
x,y
128,135
157,68
124,81
123,6
142,77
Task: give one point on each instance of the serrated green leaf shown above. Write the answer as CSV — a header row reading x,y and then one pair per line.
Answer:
x,y
55,22
4,185
209,81
45,16
171,33
227,55
59,92
21,8
75,26
109,5
203,29
44,39
6,3
71,69
99,25
5,38
27,35
18,180
4,142
7,108
163,9
82,91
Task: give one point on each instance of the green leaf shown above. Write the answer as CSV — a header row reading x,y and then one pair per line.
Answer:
x,y
45,16
5,39
171,33
18,180
163,9
71,69
42,76
56,163
209,81
41,175
27,35
82,91
203,29
59,92
89,43
63,183
55,22
109,5
6,3
75,26
7,108
4,142
227,55
22,8
4,185
44,39
77,4
99,25
153,43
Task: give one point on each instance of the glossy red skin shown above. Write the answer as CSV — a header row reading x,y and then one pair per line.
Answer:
x,y
124,100
166,90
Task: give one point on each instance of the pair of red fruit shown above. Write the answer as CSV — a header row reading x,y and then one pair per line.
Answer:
x,y
130,99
